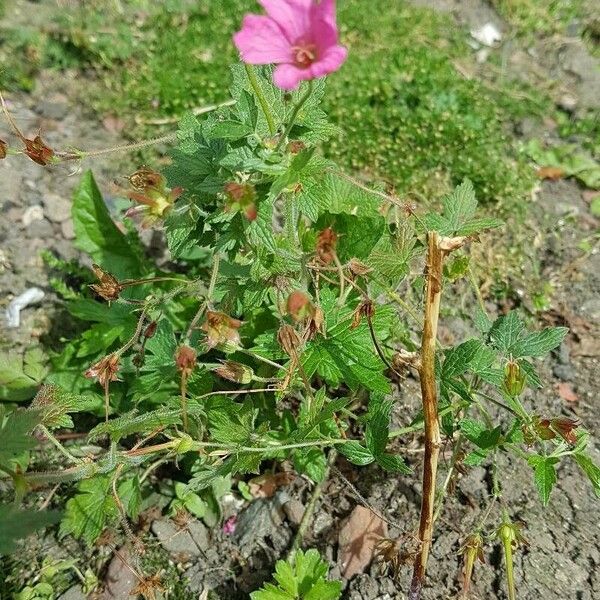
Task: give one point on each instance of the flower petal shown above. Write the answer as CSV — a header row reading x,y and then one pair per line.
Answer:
x,y
288,77
292,16
331,61
261,41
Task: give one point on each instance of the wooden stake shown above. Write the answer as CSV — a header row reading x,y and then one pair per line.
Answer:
x,y
435,257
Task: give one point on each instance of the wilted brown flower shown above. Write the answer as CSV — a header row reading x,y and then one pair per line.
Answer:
x,y
38,151
326,243
154,199
144,178
288,339
316,323
185,360
358,268
3,149
148,588
221,329
365,308
105,370
296,146
548,429
242,197
109,288
234,371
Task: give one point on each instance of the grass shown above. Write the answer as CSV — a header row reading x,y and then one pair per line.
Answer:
x,y
540,17
414,120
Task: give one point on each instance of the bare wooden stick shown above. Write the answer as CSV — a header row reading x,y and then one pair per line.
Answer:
x,y
433,293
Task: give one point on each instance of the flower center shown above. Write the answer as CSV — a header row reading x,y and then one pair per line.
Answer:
x,y
305,54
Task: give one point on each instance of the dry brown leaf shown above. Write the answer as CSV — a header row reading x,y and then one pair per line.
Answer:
x,y
266,485
359,535
551,173
566,392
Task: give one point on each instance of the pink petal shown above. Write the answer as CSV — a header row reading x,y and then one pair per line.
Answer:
x,y
261,41
325,11
287,77
331,61
292,16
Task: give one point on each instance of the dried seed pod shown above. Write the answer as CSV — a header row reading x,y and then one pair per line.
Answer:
x,y
38,151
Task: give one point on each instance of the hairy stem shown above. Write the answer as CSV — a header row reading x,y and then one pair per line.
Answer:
x,y
261,98
294,115
312,503
433,294
59,446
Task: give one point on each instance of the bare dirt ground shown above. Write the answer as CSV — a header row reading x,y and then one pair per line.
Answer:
x,y
563,558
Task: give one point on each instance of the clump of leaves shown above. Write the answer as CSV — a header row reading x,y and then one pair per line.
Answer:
x,y
303,577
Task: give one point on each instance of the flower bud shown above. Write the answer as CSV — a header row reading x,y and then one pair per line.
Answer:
x,y
514,379
296,146
236,372
151,330
3,149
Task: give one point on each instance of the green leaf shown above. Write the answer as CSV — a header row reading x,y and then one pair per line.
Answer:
x,y
55,404
311,462
539,343
591,470
131,496
458,217
302,578
90,510
132,422
508,335
20,376
346,354
15,432
356,453
16,524
545,475
97,235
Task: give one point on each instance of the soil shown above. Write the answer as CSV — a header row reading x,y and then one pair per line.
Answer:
x,y
562,560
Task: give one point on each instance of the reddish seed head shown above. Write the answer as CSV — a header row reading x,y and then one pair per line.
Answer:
x,y
242,197
185,360
326,243
299,306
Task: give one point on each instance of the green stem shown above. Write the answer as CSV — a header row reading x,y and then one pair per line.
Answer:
x,y
59,446
294,115
261,98
418,426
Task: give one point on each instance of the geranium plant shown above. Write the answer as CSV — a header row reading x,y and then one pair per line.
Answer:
x,y
299,298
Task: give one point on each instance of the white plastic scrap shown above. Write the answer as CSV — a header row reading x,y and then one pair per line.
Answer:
x,y
13,312
488,35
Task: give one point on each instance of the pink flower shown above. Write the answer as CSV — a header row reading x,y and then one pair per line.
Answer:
x,y
300,36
